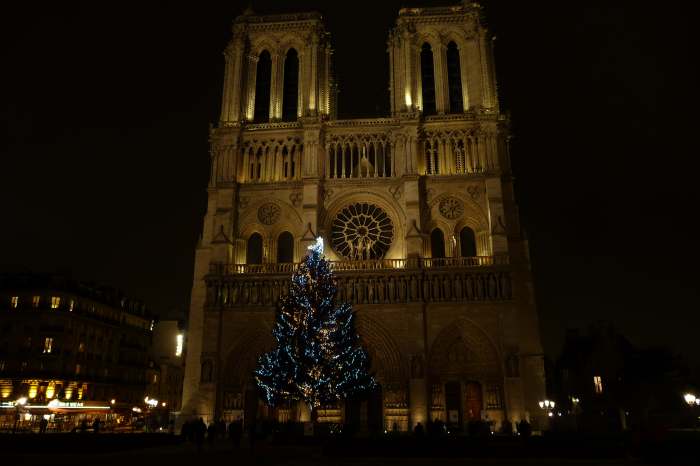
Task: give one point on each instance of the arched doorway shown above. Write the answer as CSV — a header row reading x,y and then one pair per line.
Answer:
x,y
464,367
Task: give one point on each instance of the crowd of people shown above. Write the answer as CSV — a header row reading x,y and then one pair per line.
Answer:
x,y
197,431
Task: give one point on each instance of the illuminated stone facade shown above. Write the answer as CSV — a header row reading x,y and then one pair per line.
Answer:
x,y
416,209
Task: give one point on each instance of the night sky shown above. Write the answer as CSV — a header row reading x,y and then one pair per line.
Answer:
x,y
104,156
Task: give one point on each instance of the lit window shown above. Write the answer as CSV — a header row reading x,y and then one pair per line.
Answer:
x,y
2,366
81,347
178,344
598,384
14,302
48,344
77,369
155,378
71,304
55,302
35,301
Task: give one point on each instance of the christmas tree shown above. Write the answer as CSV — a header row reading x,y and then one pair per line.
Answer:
x,y
317,358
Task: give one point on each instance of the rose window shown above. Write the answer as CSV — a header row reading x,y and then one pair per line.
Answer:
x,y
362,231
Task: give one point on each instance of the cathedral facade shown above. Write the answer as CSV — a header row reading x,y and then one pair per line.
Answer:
x,y
416,209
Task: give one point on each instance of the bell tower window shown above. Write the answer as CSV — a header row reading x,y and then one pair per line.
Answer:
x,y
290,94
454,79
263,80
427,72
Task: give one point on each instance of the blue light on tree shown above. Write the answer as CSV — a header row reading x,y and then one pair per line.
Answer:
x,y
317,359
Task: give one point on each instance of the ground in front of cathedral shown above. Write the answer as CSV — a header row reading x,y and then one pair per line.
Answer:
x,y
224,453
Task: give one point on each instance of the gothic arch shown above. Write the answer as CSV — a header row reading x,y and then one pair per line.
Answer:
x,y
473,217
390,367
464,351
262,44
289,217
243,355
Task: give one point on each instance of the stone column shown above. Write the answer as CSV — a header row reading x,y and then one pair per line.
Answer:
x,y
276,85
486,82
464,77
250,87
313,78
497,218
231,100
410,97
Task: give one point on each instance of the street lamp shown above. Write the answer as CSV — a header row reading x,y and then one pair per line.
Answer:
x,y
691,399
548,407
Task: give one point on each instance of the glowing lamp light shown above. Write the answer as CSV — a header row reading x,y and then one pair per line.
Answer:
x,y
690,398
136,409
112,401
179,340
152,402
27,416
21,401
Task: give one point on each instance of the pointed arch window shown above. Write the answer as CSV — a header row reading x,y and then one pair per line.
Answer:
x,y
263,80
454,79
254,249
427,79
467,242
290,93
437,243
285,248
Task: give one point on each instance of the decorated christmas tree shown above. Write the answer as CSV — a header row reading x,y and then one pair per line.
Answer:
x,y
317,358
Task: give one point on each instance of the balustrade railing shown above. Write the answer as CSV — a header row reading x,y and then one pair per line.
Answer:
x,y
379,264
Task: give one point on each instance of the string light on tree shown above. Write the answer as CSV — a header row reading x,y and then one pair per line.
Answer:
x,y
317,358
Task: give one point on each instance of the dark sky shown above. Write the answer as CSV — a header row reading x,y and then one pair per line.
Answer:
x,y
105,111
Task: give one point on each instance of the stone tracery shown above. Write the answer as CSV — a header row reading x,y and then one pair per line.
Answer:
x,y
362,231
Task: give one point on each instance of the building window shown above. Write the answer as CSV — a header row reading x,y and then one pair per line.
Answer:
x,y
254,250
154,379
493,398
290,92
28,342
48,345
81,347
454,79
55,302
467,242
24,365
77,369
427,79
2,366
437,244
14,302
71,305
285,247
263,81
598,384
35,301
